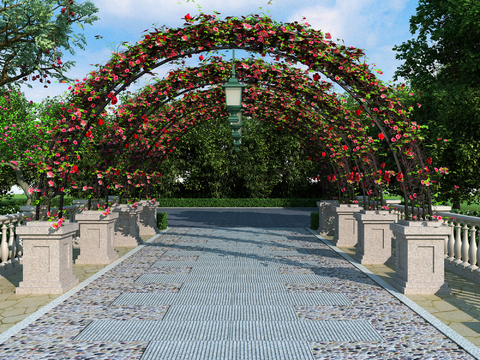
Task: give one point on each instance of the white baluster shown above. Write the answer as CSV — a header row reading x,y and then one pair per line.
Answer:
x,y
445,249
451,243
11,242
473,250
19,241
465,246
457,246
4,245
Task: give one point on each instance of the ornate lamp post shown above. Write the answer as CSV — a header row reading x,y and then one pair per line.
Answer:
x,y
233,93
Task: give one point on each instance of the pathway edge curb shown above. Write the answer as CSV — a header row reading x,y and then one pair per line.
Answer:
x,y
37,314
446,330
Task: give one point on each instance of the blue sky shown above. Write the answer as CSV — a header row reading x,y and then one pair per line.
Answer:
x,y
373,25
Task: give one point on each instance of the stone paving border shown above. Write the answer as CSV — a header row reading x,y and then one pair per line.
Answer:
x,y
450,333
31,318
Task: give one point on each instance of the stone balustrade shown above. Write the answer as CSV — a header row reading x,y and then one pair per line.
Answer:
x,y
459,245
461,252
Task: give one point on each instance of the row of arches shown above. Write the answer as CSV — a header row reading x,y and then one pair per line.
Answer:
x,y
147,126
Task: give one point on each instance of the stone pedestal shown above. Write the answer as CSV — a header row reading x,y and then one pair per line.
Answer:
x,y
47,258
33,209
126,226
147,219
326,217
346,228
391,202
85,202
374,236
96,237
420,257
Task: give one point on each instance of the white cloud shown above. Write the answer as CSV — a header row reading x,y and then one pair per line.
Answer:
x,y
361,23
371,25
168,12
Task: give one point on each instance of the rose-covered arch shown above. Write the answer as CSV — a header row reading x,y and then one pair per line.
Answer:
x,y
295,42
291,81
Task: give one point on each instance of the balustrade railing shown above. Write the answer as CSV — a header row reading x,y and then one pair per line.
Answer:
x,y
462,252
461,248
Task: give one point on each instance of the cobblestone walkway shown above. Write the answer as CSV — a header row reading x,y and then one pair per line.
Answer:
x,y
231,294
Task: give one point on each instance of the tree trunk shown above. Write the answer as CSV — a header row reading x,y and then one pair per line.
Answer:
x,y
21,181
23,184
456,204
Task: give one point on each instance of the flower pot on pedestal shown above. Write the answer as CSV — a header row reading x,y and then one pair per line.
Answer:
x,y
374,236
96,237
147,219
326,217
47,258
420,257
346,228
126,226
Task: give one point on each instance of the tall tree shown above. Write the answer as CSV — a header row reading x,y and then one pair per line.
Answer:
x,y
25,129
447,46
30,40
442,64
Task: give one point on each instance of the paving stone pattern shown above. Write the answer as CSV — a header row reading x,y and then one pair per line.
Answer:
x,y
239,217
235,294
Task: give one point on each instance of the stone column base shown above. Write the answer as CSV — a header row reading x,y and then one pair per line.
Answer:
x,y
425,288
326,217
346,228
96,241
47,258
38,288
147,219
374,236
126,227
420,251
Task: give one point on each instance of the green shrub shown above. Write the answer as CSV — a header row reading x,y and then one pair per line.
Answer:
x,y
162,221
9,207
466,212
314,221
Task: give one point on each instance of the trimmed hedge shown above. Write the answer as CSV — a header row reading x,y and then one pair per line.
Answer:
x,y
9,207
246,202
162,221
314,221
